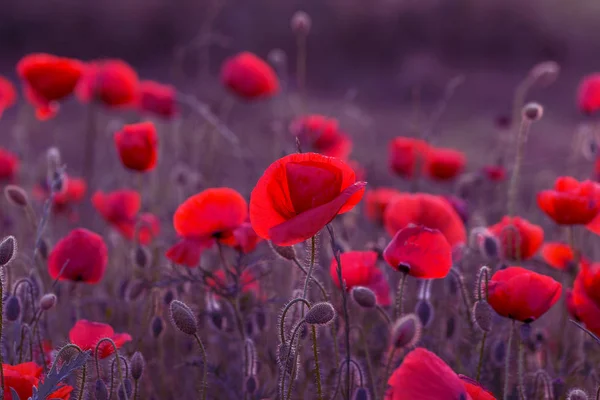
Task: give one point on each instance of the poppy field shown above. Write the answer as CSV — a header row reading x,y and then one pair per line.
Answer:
x,y
157,244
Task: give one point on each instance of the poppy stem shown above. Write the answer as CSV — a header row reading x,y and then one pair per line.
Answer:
x,y
571,241
84,369
385,315
507,362
205,369
317,369
90,144
399,309
463,293
1,337
521,370
388,366
116,350
363,341
481,351
310,267
513,188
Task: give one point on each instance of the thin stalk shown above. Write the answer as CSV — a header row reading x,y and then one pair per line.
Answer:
x,y
316,357
388,366
1,337
384,314
363,340
481,351
399,309
301,68
513,188
507,365
521,370
205,371
90,144
119,369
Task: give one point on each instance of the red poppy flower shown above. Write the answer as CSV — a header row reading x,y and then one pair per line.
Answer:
x,y
118,207
9,165
301,193
359,268
494,173
8,94
158,99
244,238
137,145
523,295
421,252
431,211
113,83
47,80
571,202
594,226
376,202
589,94
444,164
147,225
211,215
311,127
423,375
337,145
558,255
23,377
406,154
74,192
85,255
249,77
475,390
221,282
87,334
515,230
582,300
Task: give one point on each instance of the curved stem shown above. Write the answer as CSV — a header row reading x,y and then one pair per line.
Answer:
x,y
363,340
316,281
119,369
464,294
384,314
84,371
284,313
507,366
205,372
399,309
481,351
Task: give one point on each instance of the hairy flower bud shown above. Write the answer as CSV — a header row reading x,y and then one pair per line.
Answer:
x,y
137,364
16,196
8,250
48,301
183,318
320,314
12,308
364,297
406,331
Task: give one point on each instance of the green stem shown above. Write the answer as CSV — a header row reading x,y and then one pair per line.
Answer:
x,y
205,371
317,370
507,366
116,350
481,351
1,337
136,393
399,309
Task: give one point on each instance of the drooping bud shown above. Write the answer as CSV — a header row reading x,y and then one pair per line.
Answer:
x,y
282,360
364,297
12,308
251,384
424,310
482,314
498,353
533,111
125,389
8,250
135,289
320,314
141,257
406,331
545,73
301,23
137,364
101,391
361,394
16,196
183,318
157,326
577,394
285,252
48,301
168,297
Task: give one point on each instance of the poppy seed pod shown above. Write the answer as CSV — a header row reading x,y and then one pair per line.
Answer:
x,y
424,310
12,308
157,326
533,111
48,301
482,313
406,331
364,297
285,252
8,250
577,394
361,394
301,23
320,314
16,196
183,317
101,391
137,364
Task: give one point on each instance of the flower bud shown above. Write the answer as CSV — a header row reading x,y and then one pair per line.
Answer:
x,y
406,331
48,301
533,111
141,257
364,297
101,391
285,252
424,310
157,326
301,23
577,394
16,196
361,394
482,313
183,318
137,364
320,314
251,384
12,308
8,250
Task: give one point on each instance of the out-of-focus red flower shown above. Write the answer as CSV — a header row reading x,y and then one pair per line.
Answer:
x,y
249,77
571,202
406,155
87,334
322,135
48,79
244,238
520,239
431,211
113,83
147,225
583,300
376,202
420,252
301,193
137,145
494,173
359,268
8,94
475,390
117,207
444,164
82,253
522,295
73,193
213,214
588,96
558,255
158,99
24,377
359,170
423,375
221,282
9,165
